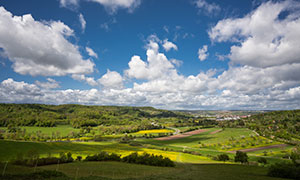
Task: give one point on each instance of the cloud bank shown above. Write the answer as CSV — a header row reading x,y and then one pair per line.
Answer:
x,y
263,70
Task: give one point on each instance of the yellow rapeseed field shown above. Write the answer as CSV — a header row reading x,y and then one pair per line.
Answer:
x,y
155,131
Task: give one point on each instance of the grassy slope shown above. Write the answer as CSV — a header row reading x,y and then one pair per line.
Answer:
x,y
10,149
116,170
64,130
192,143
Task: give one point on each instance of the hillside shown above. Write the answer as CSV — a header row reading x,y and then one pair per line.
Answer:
x,y
283,125
79,115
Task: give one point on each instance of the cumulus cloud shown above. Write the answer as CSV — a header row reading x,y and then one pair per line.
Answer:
x,y
202,53
50,84
169,45
40,48
89,80
91,52
113,5
207,8
111,80
264,38
21,92
82,22
157,64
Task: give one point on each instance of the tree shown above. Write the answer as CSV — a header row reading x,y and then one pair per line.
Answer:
x,y
223,157
241,157
295,156
262,160
79,158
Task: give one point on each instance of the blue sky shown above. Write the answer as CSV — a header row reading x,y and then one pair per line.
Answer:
x,y
171,54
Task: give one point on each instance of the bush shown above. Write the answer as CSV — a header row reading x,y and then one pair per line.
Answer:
x,y
79,158
223,157
284,170
262,160
241,157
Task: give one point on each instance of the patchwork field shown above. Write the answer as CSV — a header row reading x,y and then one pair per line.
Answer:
x,y
192,148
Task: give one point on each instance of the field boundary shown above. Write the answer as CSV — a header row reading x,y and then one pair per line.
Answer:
x,y
179,136
217,131
259,148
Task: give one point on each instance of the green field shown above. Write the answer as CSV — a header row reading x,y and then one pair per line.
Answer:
x,y
193,155
10,149
64,130
117,170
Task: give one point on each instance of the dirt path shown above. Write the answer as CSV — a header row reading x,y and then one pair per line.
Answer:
x,y
177,131
179,136
260,148
217,131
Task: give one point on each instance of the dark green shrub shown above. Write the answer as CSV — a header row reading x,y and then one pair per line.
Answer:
x,y
223,157
262,160
284,170
241,157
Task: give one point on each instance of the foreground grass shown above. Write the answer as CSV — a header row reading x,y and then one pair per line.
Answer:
x,y
117,170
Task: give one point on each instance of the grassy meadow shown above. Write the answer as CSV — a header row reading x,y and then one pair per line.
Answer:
x,y
118,170
110,129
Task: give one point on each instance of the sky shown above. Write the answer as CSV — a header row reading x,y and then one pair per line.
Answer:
x,y
170,54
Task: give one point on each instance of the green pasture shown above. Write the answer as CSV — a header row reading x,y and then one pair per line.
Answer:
x,y
10,149
205,137
118,170
63,130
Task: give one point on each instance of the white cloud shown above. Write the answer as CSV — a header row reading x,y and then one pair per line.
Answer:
x,y
69,3
165,28
157,64
114,5
40,48
207,8
176,62
50,84
169,45
91,52
82,22
89,80
263,38
111,80
202,53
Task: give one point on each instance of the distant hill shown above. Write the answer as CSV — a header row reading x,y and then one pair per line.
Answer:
x,y
79,115
220,112
282,125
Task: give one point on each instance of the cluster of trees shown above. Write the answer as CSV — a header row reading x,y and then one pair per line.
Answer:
x,y
283,125
17,133
117,129
203,122
32,159
240,156
287,170
80,116
135,158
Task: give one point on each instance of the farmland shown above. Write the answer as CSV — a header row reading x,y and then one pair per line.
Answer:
x,y
195,145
